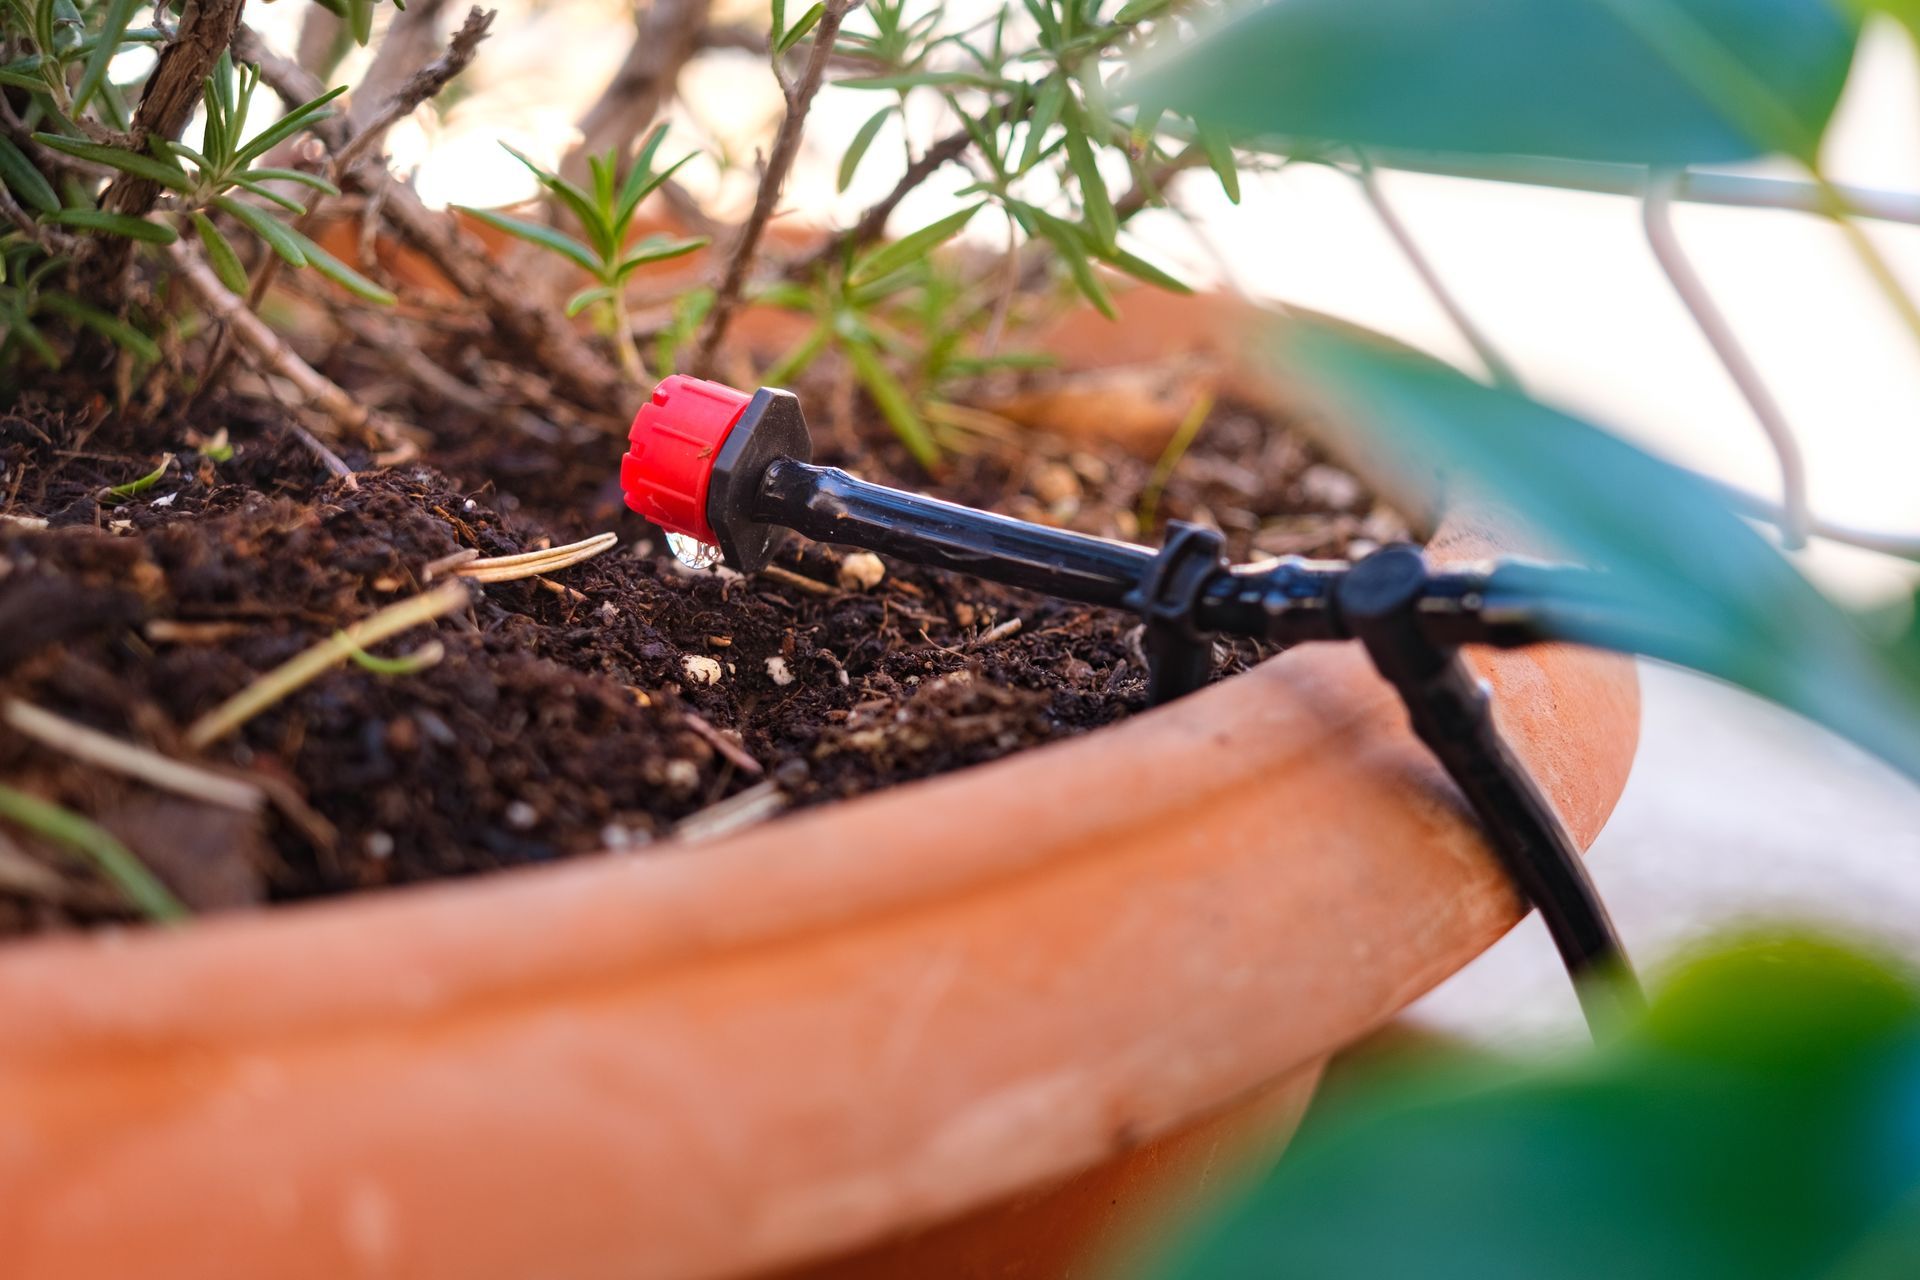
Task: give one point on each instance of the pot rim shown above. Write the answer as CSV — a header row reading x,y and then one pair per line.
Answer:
x,y
791,1040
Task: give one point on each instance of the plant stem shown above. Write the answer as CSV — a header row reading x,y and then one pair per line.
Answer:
x,y
786,145
630,363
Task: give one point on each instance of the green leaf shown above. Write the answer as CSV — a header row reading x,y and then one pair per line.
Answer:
x,y
279,237
271,196
119,13
111,327
796,361
534,233
636,191
25,332
894,404
220,254
798,32
339,272
1094,200
1072,246
1680,576
583,206
304,116
98,846
1656,1157
657,249
857,149
1140,269
115,224
921,80
133,488
1139,10
25,181
133,162
587,297
911,248
360,20
1047,105
299,176
1221,159
1659,82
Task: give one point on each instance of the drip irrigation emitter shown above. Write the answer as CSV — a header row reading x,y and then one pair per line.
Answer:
x,y
724,473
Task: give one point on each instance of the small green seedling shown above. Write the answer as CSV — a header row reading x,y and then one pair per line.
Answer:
x,y
134,488
606,216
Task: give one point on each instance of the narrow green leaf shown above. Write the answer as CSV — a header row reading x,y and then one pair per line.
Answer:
x,y
1140,269
133,162
599,231
225,262
857,149
133,488
634,193
911,248
305,116
658,249
922,80
300,176
99,847
271,196
36,342
114,224
119,15
25,181
1094,200
779,20
641,170
1221,159
895,405
534,233
1139,10
339,272
1070,243
587,297
796,361
1047,105
360,20
798,32
278,235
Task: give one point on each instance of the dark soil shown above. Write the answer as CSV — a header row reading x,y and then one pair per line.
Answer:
x,y
568,713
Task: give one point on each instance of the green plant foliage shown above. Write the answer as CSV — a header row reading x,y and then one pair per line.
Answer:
x,y
1759,1123
26,299
605,215
1681,575
1668,82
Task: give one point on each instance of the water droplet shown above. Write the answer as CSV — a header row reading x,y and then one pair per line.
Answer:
x,y
692,552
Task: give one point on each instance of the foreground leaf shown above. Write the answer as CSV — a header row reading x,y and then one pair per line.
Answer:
x,y
1667,82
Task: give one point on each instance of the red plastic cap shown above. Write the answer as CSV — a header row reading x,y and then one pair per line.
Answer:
x,y
675,437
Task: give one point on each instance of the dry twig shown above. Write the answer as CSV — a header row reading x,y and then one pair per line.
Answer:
x,y
529,564
303,667
799,97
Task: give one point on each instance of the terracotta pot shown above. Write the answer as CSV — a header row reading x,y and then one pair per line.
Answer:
x,y
1032,1001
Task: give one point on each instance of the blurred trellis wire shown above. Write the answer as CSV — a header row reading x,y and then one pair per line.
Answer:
x,y
1657,190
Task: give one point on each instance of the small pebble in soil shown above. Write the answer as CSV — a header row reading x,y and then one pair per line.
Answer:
x,y
699,670
778,672
379,845
861,571
682,775
1330,487
521,816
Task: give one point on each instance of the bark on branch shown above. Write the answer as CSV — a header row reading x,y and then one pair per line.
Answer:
x,y
786,145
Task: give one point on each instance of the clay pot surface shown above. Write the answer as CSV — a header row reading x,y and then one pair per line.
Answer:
x,y
928,1005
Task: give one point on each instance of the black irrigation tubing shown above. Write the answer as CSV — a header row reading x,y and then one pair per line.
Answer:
x,y
729,470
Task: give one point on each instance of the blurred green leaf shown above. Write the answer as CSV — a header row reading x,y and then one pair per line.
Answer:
x,y
1221,160
271,196
657,249
220,254
857,149
798,31
297,176
25,181
108,326
1681,576
914,246
1667,82
339,272
1094,200
278,235
587,297
1047,106
117,224
1640,1160
895,405
922,79
536,233
304,116
133,162
118,14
